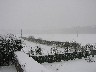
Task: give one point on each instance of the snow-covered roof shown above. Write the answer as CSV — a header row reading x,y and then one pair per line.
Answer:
x,y
28,63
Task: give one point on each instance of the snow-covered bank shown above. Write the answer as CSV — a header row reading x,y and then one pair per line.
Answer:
x,y
28,64
72,66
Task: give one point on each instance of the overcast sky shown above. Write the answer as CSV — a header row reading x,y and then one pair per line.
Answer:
x,y
40,15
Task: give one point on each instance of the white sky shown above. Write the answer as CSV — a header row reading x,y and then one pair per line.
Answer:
x,y
39,15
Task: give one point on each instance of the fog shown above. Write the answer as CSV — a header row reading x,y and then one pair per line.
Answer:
x,y
40,16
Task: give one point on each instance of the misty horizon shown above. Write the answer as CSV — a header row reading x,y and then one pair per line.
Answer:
x,y
71,30
50,16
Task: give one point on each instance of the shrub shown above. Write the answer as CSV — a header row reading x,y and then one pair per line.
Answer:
x,y
8,45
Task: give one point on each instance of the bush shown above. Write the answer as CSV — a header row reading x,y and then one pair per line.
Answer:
x,y
8,45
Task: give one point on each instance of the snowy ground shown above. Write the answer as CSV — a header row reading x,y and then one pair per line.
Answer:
x,y
8,69
82,38
65,66
28,64
80,65
45,49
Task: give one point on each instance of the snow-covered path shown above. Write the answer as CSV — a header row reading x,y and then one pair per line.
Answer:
x,y
28,64
72,66
8,69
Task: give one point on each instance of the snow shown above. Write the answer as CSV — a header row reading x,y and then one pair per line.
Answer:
x,y
8,69
66,66
45,49
27,45
29,64
82,38
80,65
72,66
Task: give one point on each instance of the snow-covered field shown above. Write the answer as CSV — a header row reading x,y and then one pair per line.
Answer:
x,y
82,38
80,65
45,49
